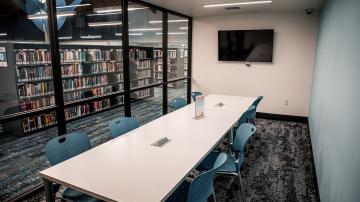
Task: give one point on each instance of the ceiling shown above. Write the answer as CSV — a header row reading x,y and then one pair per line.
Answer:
x,y
194,7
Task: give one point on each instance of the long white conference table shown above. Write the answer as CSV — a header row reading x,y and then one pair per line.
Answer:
x,y
130,169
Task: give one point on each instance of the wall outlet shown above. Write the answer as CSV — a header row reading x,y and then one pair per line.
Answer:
x,y
286,102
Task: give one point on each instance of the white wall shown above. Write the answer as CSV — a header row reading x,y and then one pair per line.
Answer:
x,y
287,78
334,113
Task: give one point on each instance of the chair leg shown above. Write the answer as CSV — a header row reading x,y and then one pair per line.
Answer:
x,y
241,188
214,197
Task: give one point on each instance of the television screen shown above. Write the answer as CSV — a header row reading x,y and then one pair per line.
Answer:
x,y
246,45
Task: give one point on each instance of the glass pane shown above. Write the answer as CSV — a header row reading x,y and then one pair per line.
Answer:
x,y
91,55
147,105
145,40
176,90
177,46
92,66
25,63
25,84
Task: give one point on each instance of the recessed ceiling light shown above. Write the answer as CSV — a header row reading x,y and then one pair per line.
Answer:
x,y
113,9
144,29
130,34
73,6
44,15
171,33
160,21
97,14
91,37
184,28
103,24
235,4
65,37
3,34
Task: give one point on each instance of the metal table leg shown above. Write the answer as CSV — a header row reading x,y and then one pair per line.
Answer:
x,y
50,196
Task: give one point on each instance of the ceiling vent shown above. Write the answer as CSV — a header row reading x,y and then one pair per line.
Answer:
x,y
232,8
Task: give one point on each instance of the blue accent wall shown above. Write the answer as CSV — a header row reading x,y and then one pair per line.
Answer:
x,y
335,103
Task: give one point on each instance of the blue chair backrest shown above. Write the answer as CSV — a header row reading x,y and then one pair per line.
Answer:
x,y
242,136
257,101
194,94
61,148
202,186
122,125
247,115
178,103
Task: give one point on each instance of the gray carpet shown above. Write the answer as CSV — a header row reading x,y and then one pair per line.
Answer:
x,y
278,167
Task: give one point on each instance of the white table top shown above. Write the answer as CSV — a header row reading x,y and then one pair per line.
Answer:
x,y
128,168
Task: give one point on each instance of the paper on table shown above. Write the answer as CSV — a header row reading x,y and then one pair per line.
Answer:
x,y
199,106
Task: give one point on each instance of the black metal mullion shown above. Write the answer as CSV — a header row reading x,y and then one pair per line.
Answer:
x,y
165,62
190,26
126,63
56,66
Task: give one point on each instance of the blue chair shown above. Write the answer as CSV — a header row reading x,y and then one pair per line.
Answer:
x,y
64,147
234,162
201,187
255,104
194,94
122,125
178,103
247,115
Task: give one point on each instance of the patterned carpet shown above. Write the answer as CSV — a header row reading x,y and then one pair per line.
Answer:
x,y
278,167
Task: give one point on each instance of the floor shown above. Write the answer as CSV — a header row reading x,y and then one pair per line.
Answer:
x,y
278,167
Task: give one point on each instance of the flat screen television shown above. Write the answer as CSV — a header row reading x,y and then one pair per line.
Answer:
x,y
246,45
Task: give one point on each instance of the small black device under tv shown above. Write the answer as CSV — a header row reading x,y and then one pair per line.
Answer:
x,y
246,45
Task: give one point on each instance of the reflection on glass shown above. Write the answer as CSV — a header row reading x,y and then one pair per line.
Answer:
x,y
91,56
145,47
25,65
176,90
177,47
147,105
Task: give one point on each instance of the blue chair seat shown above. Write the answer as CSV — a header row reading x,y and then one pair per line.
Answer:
x,y
72,195
181,193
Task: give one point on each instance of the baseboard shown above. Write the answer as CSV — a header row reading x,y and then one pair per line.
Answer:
x,y
281,117
314,169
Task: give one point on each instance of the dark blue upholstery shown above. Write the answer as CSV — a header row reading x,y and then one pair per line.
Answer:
x,y
201,188
122,125
178,103
194,94
62,148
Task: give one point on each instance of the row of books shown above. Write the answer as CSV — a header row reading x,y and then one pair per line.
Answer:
x,y
141,74
158,53
139,83
32,123
34,73
37,103
32,56
31,90
85,82
87,55
172,53
41,56
141,94
135,54
140,64
95,106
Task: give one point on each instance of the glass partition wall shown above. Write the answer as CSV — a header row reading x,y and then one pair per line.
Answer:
x,y
72,67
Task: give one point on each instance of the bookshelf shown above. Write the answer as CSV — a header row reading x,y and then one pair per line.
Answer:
x,y
86,71
141,71
176,65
